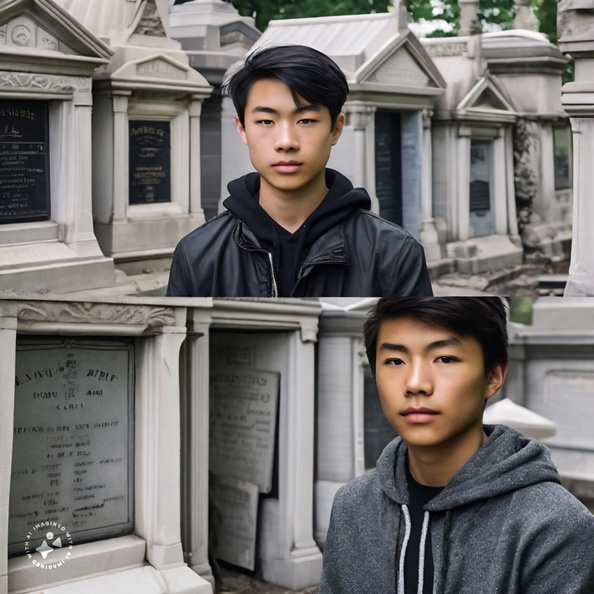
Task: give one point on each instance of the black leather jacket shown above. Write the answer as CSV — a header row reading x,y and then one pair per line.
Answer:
x,y
364,256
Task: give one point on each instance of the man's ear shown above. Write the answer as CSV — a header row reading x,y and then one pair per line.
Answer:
x,y
495,379
338,128
241,129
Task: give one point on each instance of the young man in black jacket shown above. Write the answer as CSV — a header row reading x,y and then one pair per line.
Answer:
x,y
454,506
295,228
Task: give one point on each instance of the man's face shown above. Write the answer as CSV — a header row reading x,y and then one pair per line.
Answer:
x,y
432,383
289,145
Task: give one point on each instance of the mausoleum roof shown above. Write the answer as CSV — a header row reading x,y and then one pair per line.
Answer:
x,y
118,20
376,54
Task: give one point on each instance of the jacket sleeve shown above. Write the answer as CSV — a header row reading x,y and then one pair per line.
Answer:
x,y
561,558
411,277
178,285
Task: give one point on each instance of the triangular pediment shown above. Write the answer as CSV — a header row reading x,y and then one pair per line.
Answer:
x,y
149,21
42,25
487,97
160,70
401,62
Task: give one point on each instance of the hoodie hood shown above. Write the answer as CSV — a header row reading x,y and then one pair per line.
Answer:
x,y
340,201
506,462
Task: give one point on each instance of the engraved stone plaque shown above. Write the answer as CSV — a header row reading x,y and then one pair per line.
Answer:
x,y
388,165
24,161
150,162
236,502
72,457
243,405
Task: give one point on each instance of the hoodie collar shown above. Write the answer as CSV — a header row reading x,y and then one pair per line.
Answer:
x,y
507,461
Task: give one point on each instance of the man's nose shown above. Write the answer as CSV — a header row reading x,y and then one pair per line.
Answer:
x,y
286,139
418,380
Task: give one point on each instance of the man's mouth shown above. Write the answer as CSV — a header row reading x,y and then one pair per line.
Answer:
x,y
287,166
420,414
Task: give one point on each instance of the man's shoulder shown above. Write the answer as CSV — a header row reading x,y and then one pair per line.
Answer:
x,y
369,219
358,489
211,229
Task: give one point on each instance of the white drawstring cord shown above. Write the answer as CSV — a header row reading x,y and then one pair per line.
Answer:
x,y
422,552
403,551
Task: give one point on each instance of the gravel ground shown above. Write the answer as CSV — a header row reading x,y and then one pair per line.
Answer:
x,y
241,584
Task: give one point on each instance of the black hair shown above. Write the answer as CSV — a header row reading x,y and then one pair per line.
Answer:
x,y
484,318
310,74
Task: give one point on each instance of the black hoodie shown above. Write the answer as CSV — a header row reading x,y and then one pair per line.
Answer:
x,y
289,249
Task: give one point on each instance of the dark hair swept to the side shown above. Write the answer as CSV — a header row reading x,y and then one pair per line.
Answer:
x,y
310,74
484,318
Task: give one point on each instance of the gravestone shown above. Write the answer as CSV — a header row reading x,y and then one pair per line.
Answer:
x,y
73,438
146,134
24,161
90,437
46,229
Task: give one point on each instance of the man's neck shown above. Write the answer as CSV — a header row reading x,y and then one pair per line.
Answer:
x,y
290,209
436,466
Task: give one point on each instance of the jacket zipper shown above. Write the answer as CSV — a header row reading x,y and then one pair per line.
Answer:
x,y
274,287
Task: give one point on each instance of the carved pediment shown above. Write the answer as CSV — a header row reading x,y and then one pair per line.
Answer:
x,y
43,25
24,32
161,68
400,69
400,62
485,96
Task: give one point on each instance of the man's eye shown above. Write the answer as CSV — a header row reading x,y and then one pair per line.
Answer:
x,y
446,359
265,122
394,361
306,121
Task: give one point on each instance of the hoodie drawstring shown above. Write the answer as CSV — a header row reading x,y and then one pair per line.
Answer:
x,y
422,552
407,529
403,550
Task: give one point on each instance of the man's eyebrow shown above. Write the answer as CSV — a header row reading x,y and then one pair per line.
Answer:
x,y
437,344
300,109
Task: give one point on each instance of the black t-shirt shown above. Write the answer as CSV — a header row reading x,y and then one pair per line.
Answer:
x,y
420,495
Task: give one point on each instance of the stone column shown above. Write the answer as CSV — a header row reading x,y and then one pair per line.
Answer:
x,y
359,117
195,440
576,37
8,333
428,235
196,209
120,155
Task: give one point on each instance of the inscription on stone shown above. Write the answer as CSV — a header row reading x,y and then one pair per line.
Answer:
x,y
150,161
243,406
237,504
388,167
24,161
73,430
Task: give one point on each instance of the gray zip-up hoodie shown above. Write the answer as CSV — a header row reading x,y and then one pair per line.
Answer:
x,y
502,525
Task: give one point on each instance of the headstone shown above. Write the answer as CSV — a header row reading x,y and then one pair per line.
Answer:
x,y
236,504
73,432
243,405
150,161
24,161
47,243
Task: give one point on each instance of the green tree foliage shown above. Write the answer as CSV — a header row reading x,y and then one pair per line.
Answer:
x,y
494,14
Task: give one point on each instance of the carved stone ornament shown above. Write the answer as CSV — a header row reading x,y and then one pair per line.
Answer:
x,y
575,20
23,32
44,82
96,313
446,49
151,23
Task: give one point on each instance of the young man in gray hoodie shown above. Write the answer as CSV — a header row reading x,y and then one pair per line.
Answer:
x,y
454,506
